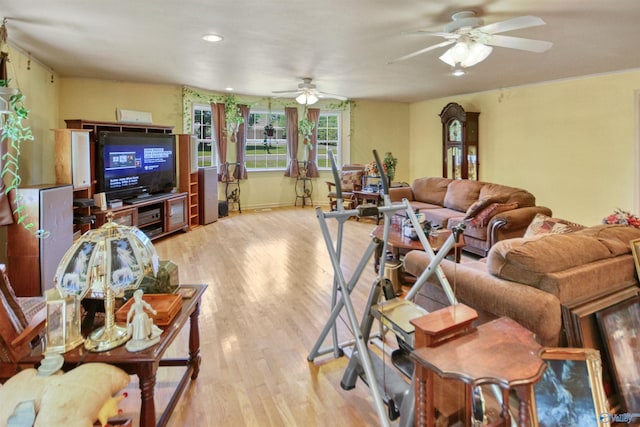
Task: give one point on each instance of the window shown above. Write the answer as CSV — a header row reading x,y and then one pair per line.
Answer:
x,y
203,130
264,152
328,138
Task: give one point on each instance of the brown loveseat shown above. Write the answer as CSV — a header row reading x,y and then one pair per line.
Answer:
x,y
528,279
493,212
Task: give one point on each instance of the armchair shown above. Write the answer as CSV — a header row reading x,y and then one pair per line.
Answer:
x,y
21,320
350,181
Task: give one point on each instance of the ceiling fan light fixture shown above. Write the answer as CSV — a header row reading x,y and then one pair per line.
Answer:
x,y
306,98
458,72
466,54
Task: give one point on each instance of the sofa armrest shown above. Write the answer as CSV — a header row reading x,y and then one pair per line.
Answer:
x,y
513,223
535,309
396,194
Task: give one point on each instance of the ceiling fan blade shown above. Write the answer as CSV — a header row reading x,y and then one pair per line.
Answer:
x,y
331,95
286,91
512,24
421,51
538,46
431,33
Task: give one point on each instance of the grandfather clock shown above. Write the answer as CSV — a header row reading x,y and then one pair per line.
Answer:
x,y
459,143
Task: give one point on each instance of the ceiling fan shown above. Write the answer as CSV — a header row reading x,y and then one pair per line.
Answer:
x,y
473,41
307,93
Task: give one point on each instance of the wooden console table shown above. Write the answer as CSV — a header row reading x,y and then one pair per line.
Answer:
x,y
499,352
145,363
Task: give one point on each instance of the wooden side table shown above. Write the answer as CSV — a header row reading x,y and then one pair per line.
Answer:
x,y
500,352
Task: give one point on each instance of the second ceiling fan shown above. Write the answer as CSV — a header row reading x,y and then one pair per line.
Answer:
x,y
307,93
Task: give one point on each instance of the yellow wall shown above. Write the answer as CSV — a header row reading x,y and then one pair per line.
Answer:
x,y
40,87
570,143
383,126
98,100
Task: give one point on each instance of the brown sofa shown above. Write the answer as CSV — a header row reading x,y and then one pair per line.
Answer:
x,y
493,212
528,279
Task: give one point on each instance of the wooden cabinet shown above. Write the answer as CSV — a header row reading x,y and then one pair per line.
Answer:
x,y
188,175
156,217
176,213
73,166
459,143
32,261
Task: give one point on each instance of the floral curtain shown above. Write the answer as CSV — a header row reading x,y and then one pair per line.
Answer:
x,y
219,118
291,114
312,168
240,172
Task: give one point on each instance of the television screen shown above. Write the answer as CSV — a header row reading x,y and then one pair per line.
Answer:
x,y
131,164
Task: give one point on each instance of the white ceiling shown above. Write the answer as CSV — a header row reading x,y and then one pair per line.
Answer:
x,y
345,45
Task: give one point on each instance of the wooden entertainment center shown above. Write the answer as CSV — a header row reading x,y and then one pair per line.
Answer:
x,y
156,216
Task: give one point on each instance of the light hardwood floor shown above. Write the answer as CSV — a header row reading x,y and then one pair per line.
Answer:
x,y
270,281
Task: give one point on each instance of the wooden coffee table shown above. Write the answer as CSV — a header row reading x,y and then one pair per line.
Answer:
x,y
400,244
145,363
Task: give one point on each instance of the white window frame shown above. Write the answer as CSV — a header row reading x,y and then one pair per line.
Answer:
x,y
255,137
196,129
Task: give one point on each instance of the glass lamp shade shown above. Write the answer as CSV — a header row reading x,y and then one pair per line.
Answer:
x,y
106,261
306,98
466,54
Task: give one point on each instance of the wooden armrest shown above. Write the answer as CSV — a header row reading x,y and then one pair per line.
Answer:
x,y
32,329
330,184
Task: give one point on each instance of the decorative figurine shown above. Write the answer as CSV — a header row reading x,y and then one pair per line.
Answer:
x,y
143,332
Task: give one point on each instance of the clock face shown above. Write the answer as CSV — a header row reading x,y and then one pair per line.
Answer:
x,y
455,131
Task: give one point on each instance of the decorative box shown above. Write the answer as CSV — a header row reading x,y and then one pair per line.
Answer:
x,y
167,306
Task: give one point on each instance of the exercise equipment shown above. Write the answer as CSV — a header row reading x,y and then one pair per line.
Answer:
x,y
391,389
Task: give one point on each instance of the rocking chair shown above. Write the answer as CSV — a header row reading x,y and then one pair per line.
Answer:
x,y
350,181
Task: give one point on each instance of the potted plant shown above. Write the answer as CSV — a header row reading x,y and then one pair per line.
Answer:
x,y
233,118
389,163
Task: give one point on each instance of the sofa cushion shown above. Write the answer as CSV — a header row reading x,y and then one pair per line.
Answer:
x,y
505,194
528,260
461,194
485,215
477,206
543,224
350,179
430,190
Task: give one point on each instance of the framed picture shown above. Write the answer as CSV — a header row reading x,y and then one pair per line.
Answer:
x,y
620,326
635,250
582,330
570,391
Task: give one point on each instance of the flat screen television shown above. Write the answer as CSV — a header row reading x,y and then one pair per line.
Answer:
x,y
135,164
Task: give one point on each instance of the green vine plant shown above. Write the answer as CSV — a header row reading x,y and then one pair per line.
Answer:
x,y
14,130
305,128
233,117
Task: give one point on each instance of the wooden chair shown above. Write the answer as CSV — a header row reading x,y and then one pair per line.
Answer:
x,y
350,180
21,322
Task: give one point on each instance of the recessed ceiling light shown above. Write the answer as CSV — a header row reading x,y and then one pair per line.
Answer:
x,y
212,38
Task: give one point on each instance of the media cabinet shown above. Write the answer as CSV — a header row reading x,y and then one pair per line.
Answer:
x,y
156,217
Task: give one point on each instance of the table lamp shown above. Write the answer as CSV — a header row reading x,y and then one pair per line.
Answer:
x,y
108,261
